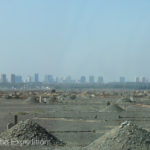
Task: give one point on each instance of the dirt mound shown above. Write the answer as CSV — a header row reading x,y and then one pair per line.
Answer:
x,y
126,100
28,133
31,100
113,108
127,136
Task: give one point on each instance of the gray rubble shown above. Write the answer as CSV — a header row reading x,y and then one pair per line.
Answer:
x,y
127,136
28,133
113,108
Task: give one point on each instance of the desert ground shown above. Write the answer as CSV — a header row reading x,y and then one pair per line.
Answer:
x,y
76,117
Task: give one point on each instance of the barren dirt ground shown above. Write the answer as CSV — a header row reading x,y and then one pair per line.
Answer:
x,y
77,122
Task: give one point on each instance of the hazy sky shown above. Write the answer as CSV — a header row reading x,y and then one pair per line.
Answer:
x,y
75,37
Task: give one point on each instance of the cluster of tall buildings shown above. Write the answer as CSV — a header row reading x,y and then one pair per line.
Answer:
x,y
50,79
18,78
68,79
91,79
137,80
141,80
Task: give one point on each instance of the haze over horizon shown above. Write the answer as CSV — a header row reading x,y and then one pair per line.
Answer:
x,y
75,37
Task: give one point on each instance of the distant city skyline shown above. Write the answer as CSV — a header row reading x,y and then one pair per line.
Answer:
x,y
49,78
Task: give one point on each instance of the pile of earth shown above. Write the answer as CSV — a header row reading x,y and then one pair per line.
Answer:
x,y
31,100
113,108
128,136
28,133
126,100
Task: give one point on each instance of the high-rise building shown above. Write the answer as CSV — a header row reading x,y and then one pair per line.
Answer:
x,y
61,79
12,78
68,79
100,79
144,80
122,79
57,80
83,79
49,79
36,77
137,79
18,79
3,78
91,79
29,79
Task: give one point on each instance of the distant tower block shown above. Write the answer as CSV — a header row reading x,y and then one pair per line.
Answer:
x,y
83,79
144,80
3,78
137,80
36,77
100,79
12,78
122,79
91,79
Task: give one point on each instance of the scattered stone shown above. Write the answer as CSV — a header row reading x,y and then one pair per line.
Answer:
x,y
126,100
28,133
127,136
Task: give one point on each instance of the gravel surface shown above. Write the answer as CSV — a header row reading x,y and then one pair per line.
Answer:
x,y
28,133
127,136
113,108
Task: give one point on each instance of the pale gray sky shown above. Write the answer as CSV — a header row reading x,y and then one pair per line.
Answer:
x,y
75,37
